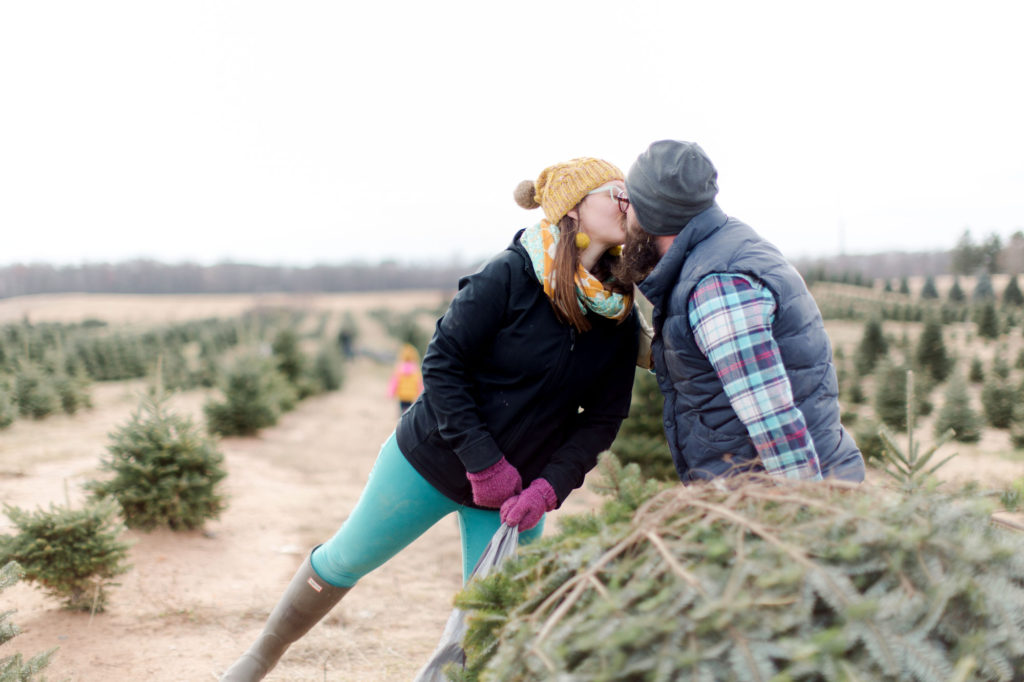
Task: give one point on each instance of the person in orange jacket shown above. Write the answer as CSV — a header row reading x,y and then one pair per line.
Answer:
x,y
406,381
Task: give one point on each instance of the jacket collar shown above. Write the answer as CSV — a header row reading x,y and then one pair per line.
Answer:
x,y
666,273
518,247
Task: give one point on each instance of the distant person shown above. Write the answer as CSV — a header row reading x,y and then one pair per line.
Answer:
x,y
346,337
406,381
740,349
527,378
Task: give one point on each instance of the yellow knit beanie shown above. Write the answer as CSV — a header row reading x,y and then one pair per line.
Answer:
x,y
560,187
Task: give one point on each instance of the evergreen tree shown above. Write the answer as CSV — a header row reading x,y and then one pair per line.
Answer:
x,y
957,413
931,351
891,396
983,290
928,291
641,438
956,294
73,392
292,362
1000,367
908,465
1012,295
997,400
868,441
255,395
967,256
166,472
35,393
287,356
14,668
72,553
924,384
987,320
888,286
854,389
329,368
8,410
904,286
976,374
1017,423
872,346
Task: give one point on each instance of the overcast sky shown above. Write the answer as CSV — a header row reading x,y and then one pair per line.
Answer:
x,y
324,132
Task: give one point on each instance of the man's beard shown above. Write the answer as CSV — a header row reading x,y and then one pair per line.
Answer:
x,y
639,256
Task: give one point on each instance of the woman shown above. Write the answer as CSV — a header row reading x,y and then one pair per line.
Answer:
x,y
526,380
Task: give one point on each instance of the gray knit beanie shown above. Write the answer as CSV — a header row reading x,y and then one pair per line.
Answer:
x,y
669,184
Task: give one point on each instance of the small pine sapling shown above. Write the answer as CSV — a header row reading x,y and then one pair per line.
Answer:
x,y
167,472
908,465
71,553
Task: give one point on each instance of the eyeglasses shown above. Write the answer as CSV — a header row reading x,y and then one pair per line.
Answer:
x,y
616,193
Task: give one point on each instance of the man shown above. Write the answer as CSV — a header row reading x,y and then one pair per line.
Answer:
x,y
740,349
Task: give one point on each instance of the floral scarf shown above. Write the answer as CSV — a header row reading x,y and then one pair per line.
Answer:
x,y
540,241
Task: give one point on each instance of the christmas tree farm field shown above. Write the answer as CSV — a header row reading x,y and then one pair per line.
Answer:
x,y
192,600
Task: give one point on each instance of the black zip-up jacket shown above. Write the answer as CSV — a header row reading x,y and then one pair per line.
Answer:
x,y
503,376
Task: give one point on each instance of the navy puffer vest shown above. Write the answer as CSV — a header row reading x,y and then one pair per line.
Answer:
x,y
705,435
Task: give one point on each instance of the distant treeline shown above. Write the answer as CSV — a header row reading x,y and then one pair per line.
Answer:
x,y
152,277
968,257
991,255
877,265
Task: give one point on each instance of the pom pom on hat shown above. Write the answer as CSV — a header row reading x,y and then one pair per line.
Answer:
x,y
525,195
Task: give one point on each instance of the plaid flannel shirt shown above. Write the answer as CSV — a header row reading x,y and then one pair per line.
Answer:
x,y
731,317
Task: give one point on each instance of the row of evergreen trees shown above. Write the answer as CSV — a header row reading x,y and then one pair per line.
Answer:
x,y
886,361
165,470
983,291
257,389
48,368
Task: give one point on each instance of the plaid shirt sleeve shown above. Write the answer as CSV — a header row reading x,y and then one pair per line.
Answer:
x,y
731,317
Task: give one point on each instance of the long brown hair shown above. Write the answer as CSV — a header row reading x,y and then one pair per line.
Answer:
x,y
566,263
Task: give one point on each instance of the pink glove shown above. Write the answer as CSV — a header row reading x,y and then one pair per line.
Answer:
x,y
495,484
526,509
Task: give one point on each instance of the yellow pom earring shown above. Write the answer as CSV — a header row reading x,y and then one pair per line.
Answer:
x,y
616,250
582,240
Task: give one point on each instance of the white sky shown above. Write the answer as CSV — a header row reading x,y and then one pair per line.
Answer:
x,y
324,132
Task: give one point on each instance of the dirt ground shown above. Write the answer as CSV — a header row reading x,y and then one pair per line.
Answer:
x,y
194,600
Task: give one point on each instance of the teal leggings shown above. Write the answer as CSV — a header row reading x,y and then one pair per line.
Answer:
x,y
396,507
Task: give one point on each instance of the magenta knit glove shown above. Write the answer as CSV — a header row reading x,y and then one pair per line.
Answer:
x,y
526,509
495,484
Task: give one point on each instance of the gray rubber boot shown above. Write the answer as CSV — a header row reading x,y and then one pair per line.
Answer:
x,y
307,599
